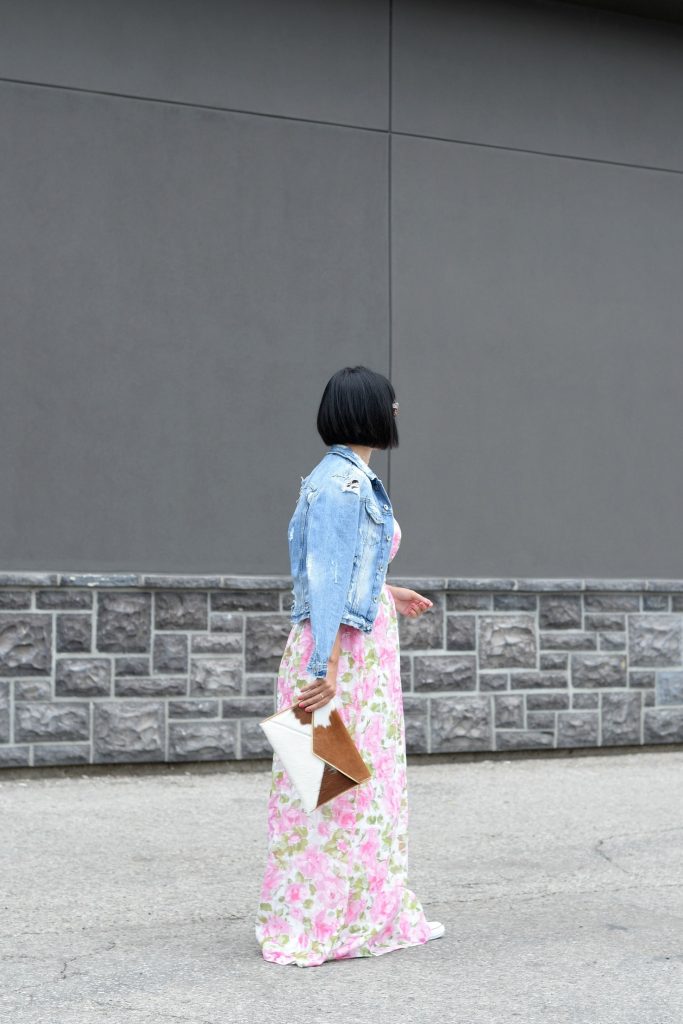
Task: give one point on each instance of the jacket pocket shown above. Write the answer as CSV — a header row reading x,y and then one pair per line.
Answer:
x,y
374,511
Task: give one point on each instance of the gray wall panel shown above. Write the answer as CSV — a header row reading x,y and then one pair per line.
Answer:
x,y
548,77
177,285
537,358
301,58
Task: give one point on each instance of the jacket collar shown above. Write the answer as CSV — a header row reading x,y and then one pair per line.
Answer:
x,y
348,453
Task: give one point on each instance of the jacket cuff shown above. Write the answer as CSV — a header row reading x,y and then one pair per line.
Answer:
x,y
317,666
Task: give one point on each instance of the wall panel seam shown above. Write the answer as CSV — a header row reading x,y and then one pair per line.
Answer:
x,y
192,106
341,124
539,152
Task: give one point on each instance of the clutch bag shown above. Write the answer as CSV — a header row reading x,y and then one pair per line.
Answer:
x,y
317,751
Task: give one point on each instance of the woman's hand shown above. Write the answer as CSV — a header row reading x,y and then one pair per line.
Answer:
x,y
317,694
409,602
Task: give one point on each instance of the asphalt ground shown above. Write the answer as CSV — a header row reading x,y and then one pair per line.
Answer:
x,y
128,896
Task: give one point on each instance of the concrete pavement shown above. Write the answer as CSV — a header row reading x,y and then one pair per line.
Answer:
x,y
129,897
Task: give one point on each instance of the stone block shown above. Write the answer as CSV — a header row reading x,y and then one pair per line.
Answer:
x,y
202,741
507,640
491,583
605,621
253,740
64,598
461,633
83,677
61,753
641,680
663,725
265,640
585,700
426,632
655,640
4,712
14,756
524,739
217,643
14,599
181,609
51,721
245,601
132,666
657,603
229,622
577,728
538,680
406,669
247,707
516,602
669,687
170,652
25,644
460,723
415,712
215,677
554,661
595,670
74,632
559,611
611,602
123,621
128,731
468,601
32,689
193,709
151,686
436,672
493,681
508,711
544,720
547,701
612,641
256,686
576,641
621,715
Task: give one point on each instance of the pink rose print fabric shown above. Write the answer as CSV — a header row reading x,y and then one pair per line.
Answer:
x,y
335,883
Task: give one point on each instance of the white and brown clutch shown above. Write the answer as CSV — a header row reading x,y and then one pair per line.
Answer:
x,y
317,751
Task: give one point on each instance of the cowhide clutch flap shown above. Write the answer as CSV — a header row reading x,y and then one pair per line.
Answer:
x,y
317,751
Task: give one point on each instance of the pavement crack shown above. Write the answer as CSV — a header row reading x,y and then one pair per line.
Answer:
x,y
597,848
161,1014
83,956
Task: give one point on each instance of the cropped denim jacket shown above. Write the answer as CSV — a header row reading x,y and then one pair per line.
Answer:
x,y
340,537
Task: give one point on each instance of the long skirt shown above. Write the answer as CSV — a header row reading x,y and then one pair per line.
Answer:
x,y
335,883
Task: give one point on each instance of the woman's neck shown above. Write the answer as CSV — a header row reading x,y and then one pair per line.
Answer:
x,y
361,450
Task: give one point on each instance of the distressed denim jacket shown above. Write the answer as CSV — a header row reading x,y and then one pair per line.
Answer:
x,y
339,542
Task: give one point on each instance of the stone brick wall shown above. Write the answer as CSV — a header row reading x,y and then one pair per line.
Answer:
x,y
128,668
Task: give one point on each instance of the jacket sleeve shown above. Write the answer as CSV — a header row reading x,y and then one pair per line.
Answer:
x,y
332,534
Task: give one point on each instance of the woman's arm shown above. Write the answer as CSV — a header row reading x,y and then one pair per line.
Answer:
x,y
332,533
409,602
315,695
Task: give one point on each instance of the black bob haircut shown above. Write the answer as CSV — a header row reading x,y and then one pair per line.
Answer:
x,y
356,408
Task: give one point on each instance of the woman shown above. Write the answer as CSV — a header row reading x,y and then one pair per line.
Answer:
x,y
335,884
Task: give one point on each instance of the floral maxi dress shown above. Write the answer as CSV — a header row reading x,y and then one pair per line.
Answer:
x,y
335,883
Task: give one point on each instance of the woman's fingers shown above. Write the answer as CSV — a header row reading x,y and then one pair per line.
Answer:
x,y
312,697
314,706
